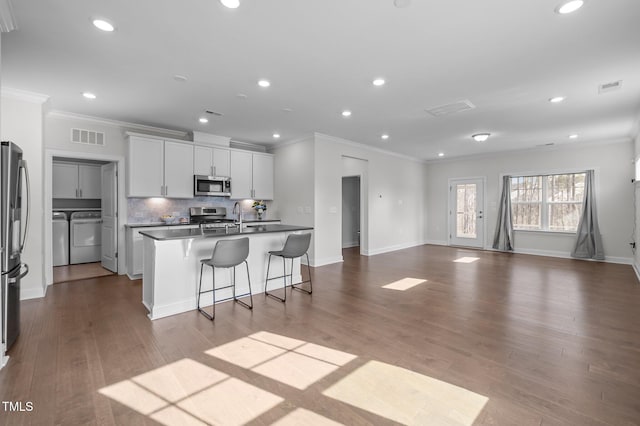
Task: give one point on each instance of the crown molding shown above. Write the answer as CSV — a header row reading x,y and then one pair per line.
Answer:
x,y
23,95
178,134
368,148
247,145
282,144
7,18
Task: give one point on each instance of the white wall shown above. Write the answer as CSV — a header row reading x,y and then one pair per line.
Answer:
x,y
393,186
611,161
22,122
637,206
294,193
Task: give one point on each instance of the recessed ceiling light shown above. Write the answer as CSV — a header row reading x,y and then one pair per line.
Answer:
x,y
203,120
89,95
569,6
385,136
346,113
401,3
378,82
481,137
287,110
557,99
103,25
441,154
180,78
574,136
231,4
241,96
264,83
276,135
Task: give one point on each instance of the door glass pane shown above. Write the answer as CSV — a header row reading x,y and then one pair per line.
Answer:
x,y
466,210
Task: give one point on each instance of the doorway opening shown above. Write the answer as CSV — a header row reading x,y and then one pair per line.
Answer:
x,y
84,202
351,212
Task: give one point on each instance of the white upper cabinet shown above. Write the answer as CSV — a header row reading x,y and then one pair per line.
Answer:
x,y
251,175
241,174
145,167
71,180
158,168
178,170
90,181
210,161
262,177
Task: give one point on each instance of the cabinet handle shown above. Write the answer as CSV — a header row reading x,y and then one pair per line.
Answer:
x,y
166,190
77,193
214,171
80,193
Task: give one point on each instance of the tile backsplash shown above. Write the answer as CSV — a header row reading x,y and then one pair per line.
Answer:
x,y
144,210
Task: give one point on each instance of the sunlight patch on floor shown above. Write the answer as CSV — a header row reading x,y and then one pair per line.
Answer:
x,y
404,284
466,259
407,397
300,416
290,361
189,393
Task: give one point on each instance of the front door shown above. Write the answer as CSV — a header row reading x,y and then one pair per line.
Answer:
x,y
466,212
110,217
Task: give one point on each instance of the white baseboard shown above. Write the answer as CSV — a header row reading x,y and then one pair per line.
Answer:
x,y
565,255
134,277
437,242
350,244
636,268
326,261
31,293
171,309
389,249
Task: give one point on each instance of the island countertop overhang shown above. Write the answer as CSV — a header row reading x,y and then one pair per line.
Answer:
x,y
179,234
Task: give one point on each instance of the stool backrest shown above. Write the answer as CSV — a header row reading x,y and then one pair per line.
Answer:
x,y
296,245
228,253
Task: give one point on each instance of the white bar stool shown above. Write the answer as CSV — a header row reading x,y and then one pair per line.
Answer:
x,y
226,254
296,246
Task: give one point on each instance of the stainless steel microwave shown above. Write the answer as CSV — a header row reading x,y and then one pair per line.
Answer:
x,y
213,186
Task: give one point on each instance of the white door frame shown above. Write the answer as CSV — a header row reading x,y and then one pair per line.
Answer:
x,y
450,206
48,204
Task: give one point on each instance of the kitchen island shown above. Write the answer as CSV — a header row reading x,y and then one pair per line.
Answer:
x,y
172,265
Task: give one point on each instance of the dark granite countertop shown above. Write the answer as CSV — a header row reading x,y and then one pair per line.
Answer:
x,y
155,224
180,234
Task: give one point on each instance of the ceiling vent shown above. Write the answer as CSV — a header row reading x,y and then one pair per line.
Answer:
x,y
609,87
452,108
87,137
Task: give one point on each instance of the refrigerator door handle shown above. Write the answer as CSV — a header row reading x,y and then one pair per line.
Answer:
x,y
23,165
24,272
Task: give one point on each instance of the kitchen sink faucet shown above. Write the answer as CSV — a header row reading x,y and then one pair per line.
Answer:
x,y
239,221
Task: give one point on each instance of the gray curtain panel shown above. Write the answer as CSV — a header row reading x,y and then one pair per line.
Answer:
x,y
503,238
588,238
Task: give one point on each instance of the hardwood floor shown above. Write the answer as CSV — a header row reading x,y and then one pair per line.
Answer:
x,y
546,340
81,271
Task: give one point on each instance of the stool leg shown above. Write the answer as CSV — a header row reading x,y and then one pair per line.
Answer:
x,y
309,280
243,303
202,311
284,277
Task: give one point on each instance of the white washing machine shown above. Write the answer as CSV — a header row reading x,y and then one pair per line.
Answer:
x,y
60,249
85,243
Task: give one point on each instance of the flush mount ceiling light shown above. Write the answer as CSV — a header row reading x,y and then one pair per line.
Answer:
x,y
569,6
384,137
180,78
103,25
276,135
346,113
441,154
378,82
573,136
89,95
264,83
556,99
231,4
203,120
481,137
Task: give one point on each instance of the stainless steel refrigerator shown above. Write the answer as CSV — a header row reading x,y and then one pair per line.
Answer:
x,y
14,223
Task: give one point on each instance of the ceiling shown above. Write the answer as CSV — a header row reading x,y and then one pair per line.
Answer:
x,y
506,57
